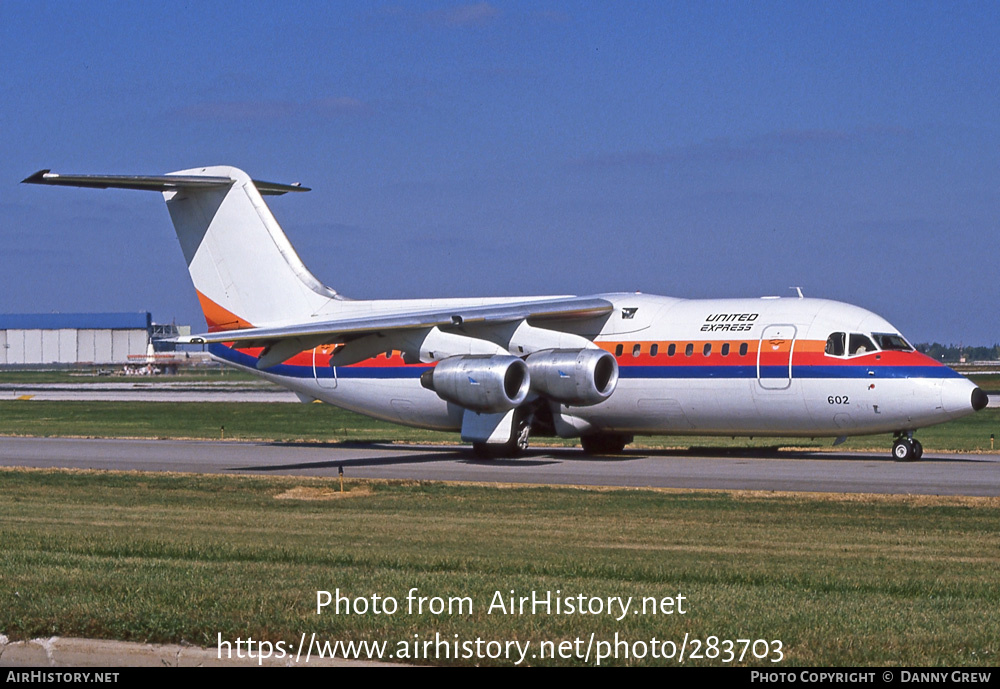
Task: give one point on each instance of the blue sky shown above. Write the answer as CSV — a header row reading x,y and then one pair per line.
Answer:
x,y
705,149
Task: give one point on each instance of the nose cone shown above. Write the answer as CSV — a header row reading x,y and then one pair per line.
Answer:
x,y
960,397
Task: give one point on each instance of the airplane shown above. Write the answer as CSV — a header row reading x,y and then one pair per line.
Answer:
x,y
602,368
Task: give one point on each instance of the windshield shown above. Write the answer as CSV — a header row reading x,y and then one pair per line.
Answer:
x,y
859,344
892,342
835,344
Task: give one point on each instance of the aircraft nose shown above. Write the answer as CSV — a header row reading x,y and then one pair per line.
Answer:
x,y
979,399
959,396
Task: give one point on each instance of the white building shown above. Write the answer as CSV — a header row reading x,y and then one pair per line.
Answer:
x,y
73,338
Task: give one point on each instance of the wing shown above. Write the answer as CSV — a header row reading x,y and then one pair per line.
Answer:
x,y
283,342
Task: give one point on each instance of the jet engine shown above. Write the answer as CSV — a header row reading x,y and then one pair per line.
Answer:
x,y
486,384
579,377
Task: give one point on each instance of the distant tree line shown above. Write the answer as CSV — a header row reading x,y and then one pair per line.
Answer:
x,y
955,353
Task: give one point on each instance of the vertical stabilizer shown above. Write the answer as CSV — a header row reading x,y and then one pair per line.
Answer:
x,y
243,267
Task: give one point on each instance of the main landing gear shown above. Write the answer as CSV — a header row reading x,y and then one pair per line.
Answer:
x,y
512,448
906,448
518,443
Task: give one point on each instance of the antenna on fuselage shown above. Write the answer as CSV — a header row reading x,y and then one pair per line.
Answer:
x,y
799,290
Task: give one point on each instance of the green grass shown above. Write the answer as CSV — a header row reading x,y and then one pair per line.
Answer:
x,y
209,420
988,382
323,423
165,558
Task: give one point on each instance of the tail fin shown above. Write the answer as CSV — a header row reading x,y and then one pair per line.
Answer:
x,y
243,267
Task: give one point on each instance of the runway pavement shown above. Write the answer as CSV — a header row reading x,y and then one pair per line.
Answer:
x,y
144,390
835,472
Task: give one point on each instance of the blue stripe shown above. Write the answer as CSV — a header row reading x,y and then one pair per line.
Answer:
x,y
625,372
380,372
880,372
234,356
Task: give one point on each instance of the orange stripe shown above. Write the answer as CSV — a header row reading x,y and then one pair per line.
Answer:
x,y
218,318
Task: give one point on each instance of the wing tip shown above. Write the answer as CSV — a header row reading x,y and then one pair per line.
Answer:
x,y
37,178
275,189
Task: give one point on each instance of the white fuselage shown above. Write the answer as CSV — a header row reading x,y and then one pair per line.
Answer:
x,y
722,367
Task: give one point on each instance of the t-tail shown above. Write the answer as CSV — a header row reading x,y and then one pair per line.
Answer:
x,y
244,269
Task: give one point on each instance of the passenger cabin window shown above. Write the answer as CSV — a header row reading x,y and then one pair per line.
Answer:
x,y
671,350
892,342
636,349
689,349
725,349
618,350
743,349
654,350
835,344
860,344
707,349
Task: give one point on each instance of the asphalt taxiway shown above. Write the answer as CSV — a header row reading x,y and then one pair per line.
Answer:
x,y
834,472
144,390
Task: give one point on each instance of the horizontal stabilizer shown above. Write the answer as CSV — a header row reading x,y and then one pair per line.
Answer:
x,y
152,182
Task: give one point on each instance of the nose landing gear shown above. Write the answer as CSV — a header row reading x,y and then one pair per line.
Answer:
x,y
906,448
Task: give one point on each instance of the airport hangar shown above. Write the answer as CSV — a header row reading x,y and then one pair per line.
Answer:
x,y
72,339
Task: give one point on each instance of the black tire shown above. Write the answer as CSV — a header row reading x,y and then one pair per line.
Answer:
x,y
918,450
902,450
604,443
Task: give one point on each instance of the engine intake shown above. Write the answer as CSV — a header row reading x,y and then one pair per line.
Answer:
x,y
579,377
488,384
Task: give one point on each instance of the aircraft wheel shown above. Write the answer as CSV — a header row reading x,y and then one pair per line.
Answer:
x,y
604,443
903,450
521,441
918,449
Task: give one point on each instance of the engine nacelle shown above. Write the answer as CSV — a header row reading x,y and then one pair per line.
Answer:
x,y
579,377
487,384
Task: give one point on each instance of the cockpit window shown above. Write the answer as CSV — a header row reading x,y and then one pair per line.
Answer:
x,y
835,344
892,342
855,344
860,344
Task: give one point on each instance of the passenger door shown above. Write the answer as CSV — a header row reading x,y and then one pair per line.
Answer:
x,y
774,357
